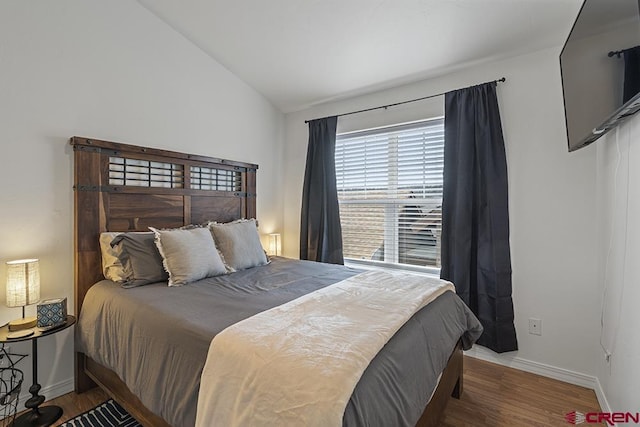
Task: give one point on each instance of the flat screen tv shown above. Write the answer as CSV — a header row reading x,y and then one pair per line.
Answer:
x,y
600,66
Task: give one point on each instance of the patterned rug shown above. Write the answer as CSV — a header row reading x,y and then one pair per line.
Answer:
x,y
108,413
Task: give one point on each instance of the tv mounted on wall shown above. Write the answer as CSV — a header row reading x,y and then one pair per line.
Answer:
x,y
600,66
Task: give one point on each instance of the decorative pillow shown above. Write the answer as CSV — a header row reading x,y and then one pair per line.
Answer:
x,y
139,251
239,243
188,254
112,268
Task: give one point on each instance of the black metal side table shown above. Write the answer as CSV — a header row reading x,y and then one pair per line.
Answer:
x,y
37,416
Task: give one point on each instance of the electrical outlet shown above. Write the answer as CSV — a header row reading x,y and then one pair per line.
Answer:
x,y
535,326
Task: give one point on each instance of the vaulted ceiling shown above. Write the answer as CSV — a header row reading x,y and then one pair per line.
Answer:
x,y
298,53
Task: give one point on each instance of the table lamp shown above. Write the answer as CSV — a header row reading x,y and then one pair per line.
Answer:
x,y
274,244
23,288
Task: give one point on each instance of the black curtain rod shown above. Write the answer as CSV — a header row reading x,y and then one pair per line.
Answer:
x,y
619,52
503,79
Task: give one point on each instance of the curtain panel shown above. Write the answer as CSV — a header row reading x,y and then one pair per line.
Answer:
x,y
631,73
475,253
320,229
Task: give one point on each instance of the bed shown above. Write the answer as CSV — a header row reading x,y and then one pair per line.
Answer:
x,y
114,192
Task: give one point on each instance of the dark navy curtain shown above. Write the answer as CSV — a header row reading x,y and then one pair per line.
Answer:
x,y
475,215
631,73
320,230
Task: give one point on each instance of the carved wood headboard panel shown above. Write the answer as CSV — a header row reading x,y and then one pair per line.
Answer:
x,y
121,187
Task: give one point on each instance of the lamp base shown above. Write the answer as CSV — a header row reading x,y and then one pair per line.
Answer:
x,y
24,323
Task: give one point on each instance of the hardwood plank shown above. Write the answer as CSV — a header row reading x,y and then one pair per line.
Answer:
x,y
494,395
75,404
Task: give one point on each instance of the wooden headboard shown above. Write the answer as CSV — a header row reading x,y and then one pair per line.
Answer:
x,y
121,187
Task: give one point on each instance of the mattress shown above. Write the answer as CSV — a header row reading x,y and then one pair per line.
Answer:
x,y
156,339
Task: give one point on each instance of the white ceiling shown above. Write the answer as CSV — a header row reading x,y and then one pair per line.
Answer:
x,y
298,53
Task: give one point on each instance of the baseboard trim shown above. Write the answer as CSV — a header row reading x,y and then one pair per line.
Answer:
x,y
602,398
538,368
50,392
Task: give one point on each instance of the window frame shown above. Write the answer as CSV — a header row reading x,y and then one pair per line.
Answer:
x,y
392,207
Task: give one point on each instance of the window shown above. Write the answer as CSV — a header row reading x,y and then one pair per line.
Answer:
x,y
390,193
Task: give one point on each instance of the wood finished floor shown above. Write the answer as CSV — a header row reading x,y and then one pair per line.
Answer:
x,y
494,395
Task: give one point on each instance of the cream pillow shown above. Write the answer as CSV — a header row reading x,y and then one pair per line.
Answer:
x,y
188,255
112,267
239,244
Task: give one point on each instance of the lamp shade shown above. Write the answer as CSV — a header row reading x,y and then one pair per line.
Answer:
x,y
23,282
274,244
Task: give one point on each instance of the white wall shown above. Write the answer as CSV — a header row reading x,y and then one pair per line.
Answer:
x,y
108,70
619,272
552,201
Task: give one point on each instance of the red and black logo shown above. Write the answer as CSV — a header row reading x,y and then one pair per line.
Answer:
x,y
611,418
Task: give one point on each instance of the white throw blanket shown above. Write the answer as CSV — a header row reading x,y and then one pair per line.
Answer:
x,y
299,363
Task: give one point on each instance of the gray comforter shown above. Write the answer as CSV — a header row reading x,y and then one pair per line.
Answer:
x,y
156,338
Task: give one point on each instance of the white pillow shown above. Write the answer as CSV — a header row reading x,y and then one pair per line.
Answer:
x,y
112,267
239,244
188,255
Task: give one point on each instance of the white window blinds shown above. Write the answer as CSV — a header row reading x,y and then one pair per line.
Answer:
x,y
390,193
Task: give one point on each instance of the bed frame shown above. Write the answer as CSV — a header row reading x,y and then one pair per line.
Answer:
x,y
121,187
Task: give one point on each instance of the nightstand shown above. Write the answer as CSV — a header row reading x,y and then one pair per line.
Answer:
x,y
47,415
